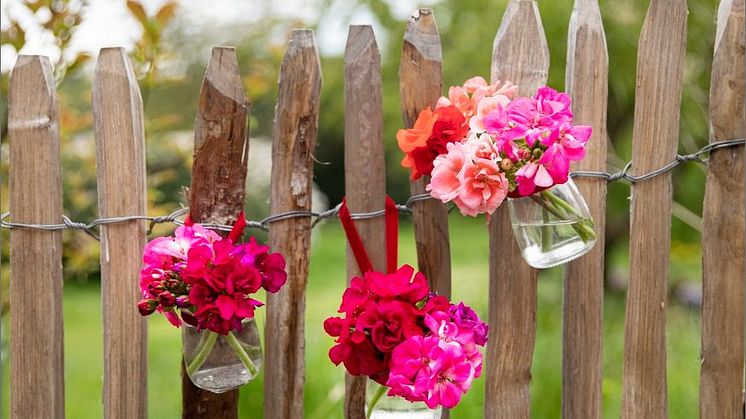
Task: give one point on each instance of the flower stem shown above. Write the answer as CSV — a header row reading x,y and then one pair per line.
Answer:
x,y
564,211
546,232
375,399
241,352
203,352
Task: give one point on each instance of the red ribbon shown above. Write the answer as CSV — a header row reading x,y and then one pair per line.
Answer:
x,y
356,243
236,231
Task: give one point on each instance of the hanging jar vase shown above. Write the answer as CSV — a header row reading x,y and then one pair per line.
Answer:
x,y
552,226
219,363
380,406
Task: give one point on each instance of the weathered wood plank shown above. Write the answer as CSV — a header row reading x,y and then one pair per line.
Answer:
x,y
723,267
218,186
660,68
36,336
120,162
420,85
512,298
365,176
587,83
294,139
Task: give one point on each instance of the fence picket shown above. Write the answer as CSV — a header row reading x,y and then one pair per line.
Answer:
x,y
512,296
365,176
587,83
420,85
217,196
36,335
660,68
723,268
120,162
295,126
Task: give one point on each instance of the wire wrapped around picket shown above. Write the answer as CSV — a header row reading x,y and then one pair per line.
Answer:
x,y
405,208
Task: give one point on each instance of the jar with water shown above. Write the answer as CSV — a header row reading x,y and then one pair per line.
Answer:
x,y
380,406
553,226
219,363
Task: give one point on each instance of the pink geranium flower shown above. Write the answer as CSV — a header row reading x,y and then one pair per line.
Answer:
x,y
445,183
483,187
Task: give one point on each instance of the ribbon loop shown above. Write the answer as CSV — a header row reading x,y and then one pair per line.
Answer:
x,y
356,243
236,232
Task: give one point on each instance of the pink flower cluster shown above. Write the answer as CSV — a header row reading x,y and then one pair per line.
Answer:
x,y
398,333
515,146
208,278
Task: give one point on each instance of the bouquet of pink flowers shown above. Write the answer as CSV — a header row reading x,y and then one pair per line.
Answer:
x,y
414,343
209,279
483,144
208,282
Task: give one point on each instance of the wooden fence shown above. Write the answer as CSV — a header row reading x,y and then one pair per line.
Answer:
x,y
521,55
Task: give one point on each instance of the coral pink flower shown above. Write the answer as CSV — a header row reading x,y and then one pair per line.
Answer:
x,y
483,187
444,183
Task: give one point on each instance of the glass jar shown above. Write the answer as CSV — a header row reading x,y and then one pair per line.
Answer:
x,y
385,407
553,226
219,363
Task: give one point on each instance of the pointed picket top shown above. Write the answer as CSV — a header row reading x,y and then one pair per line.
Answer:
x,y
113,66
727,86
421,67
587,83
512,60
660,70
293,144
723,269
220,141
32,96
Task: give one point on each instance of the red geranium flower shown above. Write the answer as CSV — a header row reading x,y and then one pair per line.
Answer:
x,y
428,137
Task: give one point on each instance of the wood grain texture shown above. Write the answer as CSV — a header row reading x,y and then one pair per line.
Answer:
x,y
218,186
587,83
420,85
660,68
120,162
294,139
723,266
520,55
365,177
36,335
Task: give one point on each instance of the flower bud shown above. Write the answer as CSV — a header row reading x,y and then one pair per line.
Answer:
x,y
182,301
505,164
166,299
147,307
537,153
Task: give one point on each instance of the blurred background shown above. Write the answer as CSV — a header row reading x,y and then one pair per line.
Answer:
x,y
169,43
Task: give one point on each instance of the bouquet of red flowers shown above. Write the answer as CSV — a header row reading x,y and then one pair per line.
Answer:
x,y
394,330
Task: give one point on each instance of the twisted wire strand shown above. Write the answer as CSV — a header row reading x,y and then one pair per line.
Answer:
x,y
317,217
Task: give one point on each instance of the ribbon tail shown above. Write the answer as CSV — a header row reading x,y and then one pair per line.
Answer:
x,y
238,227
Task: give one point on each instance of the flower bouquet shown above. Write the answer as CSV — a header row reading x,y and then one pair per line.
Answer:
x,y
416,347
483,144
205,283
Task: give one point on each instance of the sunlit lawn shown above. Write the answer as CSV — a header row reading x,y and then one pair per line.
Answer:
x,y
324,382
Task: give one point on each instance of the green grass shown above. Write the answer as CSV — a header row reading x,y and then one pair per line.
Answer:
x,y
324,382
